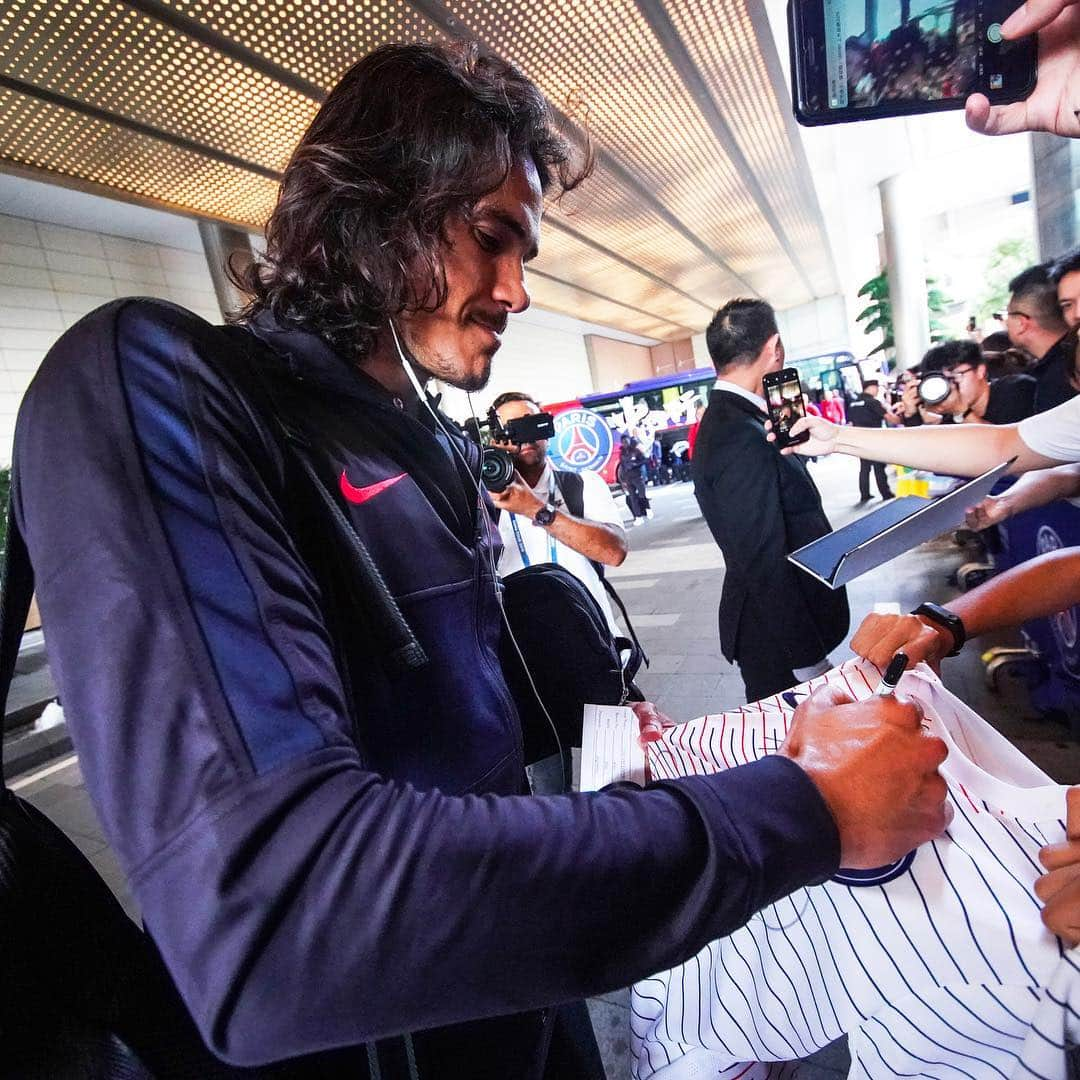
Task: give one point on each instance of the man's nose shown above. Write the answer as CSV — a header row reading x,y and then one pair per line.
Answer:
x,y
510,288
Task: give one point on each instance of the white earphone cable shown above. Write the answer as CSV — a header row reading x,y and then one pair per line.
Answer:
x,y
422,395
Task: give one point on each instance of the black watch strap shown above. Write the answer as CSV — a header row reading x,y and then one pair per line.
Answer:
x,y
946,618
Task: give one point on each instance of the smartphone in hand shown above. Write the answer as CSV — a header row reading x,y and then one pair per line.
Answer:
x,y
784,397
864,59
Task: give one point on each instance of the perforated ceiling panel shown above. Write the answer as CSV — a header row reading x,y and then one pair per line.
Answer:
x,y
700,192
315,39
40,135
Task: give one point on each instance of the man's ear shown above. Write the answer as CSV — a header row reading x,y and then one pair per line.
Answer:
x,y
774,350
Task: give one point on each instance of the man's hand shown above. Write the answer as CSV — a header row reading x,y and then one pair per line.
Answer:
x,y
993,510
910,400
651,722
1059,888
881,637
823,436
876,769
1054,104
518,498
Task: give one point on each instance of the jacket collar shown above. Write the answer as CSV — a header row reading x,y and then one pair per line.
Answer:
x,y
726,397
1055,354
411,440
312,360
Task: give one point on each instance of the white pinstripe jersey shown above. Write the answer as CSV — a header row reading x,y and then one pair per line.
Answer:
x,y
937,966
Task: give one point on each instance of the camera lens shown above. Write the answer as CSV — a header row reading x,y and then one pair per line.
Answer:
x,y
934,388
496,469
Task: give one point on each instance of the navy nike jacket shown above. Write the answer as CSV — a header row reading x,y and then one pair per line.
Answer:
x,y
310,886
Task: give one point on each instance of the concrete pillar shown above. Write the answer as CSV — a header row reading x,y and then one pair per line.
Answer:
x,y
223,244
1056,168
906,268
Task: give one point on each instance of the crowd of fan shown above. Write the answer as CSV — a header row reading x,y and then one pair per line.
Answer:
x,y
911,63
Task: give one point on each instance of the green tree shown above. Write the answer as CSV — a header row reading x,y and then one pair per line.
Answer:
x,y
1007,259
877,315
937,303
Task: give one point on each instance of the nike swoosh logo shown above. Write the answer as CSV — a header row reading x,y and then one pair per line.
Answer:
x,y
369,491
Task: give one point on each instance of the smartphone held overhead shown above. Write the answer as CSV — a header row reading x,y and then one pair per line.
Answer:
x,y
865,59
786,404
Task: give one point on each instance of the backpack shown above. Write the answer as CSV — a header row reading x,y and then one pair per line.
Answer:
x,y
569,652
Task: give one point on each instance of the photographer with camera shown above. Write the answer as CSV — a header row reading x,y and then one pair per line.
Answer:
x,y
565,518
909,407
953,383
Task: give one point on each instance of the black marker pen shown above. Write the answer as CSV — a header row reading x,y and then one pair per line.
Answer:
x,y
896,668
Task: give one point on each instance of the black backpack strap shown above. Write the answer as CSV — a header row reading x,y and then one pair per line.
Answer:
x,y
395,642
643,656
401,650
18,591
572,487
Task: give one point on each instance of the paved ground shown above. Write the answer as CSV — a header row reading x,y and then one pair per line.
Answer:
x,y
671,584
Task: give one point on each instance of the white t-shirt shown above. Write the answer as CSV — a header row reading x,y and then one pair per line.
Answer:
x,y
1055,433
541,547
937,966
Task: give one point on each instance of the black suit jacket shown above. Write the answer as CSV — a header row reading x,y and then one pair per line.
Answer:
x,y
1052,375
761,505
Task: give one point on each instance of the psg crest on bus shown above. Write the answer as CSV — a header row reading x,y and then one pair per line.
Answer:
x,y
583,441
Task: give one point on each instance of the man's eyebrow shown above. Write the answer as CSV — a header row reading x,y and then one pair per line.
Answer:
x,y
515,226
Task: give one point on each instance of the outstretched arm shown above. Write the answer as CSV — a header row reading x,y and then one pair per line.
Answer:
x,y
1042,586
960,449
1028,493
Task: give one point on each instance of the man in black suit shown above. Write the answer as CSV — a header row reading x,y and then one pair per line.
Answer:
x,y
1035,323
776,621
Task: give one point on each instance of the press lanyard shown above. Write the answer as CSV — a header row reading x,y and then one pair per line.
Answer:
x,y
553,554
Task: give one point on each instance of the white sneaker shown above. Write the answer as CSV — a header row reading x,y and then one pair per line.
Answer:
x,y
639,521
648,513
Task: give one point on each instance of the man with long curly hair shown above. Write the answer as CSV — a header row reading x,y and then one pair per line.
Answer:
x,y
321,818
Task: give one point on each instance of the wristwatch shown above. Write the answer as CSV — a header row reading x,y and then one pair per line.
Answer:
x,y
948,619
546,514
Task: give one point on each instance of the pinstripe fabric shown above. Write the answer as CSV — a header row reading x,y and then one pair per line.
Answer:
x,y
938,966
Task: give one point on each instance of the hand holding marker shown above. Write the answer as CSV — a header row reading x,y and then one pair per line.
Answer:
x,y
897,666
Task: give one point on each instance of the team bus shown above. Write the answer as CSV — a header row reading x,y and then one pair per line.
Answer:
x,y
664,408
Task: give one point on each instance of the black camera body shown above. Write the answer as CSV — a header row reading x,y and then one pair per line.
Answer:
x,y
497,466
522,429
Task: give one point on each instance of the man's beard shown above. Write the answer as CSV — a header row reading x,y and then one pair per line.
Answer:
x,y
443,370
533,461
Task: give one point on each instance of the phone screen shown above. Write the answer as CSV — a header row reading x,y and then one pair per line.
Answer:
x,y
857,59
784,397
